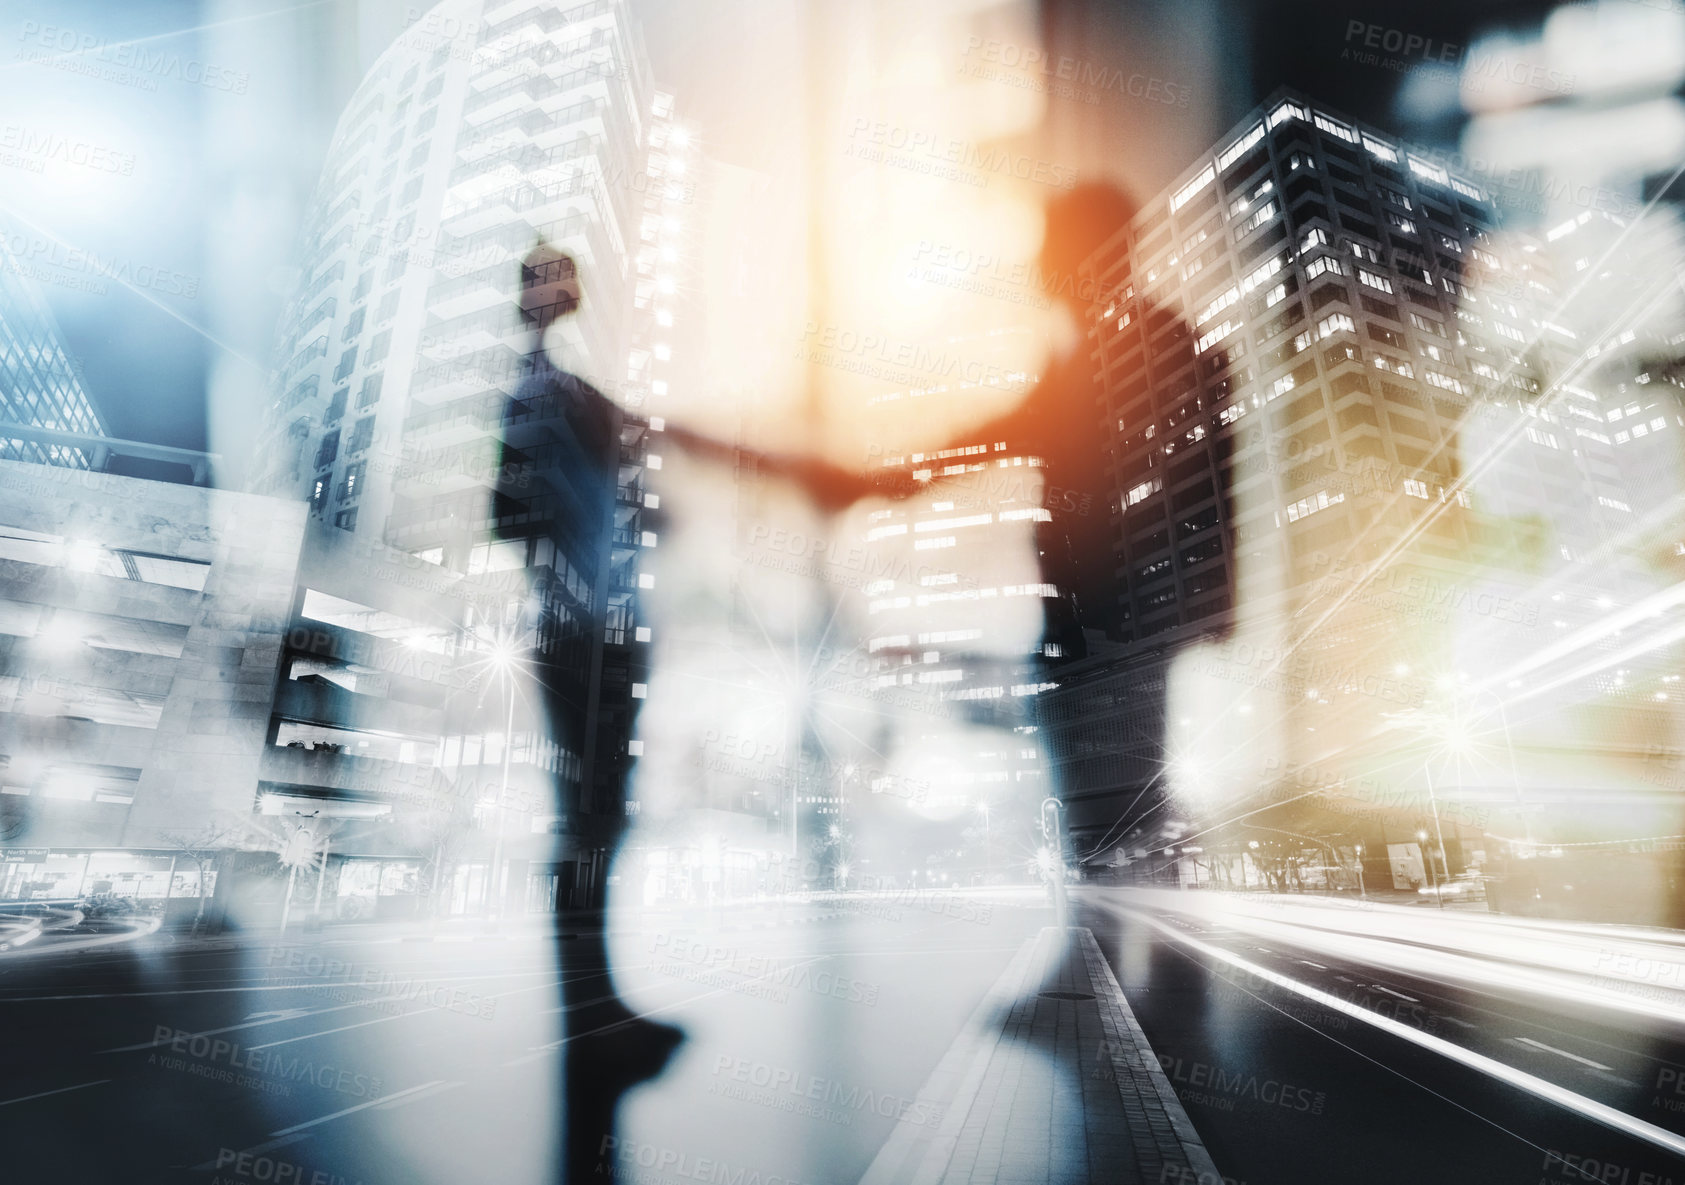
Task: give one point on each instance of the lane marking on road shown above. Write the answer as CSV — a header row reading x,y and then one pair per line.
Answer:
x,y
279,987
296,1013
1308,963
1381,987
45,1093
269,1146
362,1024
1502,1071
539,1051
1573,1057
380,1102
1454,1020
415,1096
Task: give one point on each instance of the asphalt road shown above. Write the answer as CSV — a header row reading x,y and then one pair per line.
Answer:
x,y
1309,1043
1303,1054
387,1061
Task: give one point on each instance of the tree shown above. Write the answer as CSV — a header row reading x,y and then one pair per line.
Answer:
x,y
203,847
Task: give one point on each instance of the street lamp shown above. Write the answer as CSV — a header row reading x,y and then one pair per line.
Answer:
x,y
503,658
1361,891
1439,834
1433,876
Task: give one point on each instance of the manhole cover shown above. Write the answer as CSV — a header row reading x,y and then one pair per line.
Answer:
x,y
1067,995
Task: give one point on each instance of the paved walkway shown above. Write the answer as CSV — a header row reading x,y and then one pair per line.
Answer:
x,y
1052,1083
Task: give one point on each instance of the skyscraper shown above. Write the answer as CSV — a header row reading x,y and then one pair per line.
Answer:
x,y
38,382
1350,476
465,508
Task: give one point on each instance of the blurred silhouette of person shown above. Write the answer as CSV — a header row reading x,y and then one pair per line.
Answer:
x,y
609,1050
1058,421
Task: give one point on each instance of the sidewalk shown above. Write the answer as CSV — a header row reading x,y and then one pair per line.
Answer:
x,y
1052,1082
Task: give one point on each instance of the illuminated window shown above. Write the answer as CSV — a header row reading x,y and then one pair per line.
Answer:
x,y
1376,148
1238,149
1191,190
1380,283
1319,501
1335,323
1285,111
1336,129
1322,264
1262,215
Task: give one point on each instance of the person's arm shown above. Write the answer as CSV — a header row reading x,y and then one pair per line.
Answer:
x,y
831,487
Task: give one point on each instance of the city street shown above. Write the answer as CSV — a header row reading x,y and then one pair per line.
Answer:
x,y
1308,1040
1443,1052
381,1058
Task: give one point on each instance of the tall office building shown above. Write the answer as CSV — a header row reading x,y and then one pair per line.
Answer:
x,y
141,625
468,503
38,382
1346,462
962,618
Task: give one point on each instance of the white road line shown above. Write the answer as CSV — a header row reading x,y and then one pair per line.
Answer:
x,y
279,987
212,1165
1502,1071
397,1016
43,1094
425,1092
1318,966
1573,1057
1381,987
250,1024
539,1051
1460,1023
298,1127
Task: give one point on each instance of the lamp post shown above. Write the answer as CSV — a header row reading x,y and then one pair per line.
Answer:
x,y
504,659
1433,876
1361,891
1439,834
